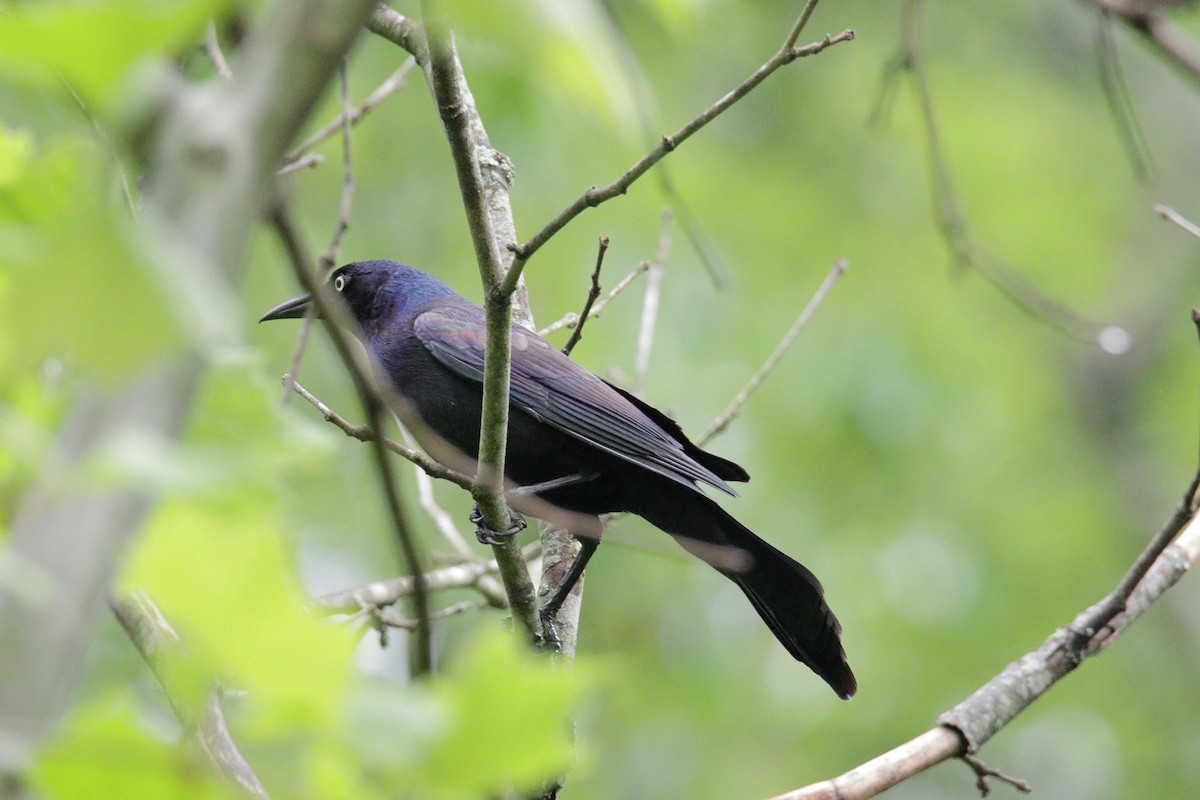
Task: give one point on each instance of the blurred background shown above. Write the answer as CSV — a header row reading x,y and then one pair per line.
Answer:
x,y
963,473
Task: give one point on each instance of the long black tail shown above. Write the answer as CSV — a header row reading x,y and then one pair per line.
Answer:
x,y
785,594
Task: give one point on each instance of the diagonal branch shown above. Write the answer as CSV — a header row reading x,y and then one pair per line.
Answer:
x,y
965,728
735,406
594,196
151,634
374,398
200,211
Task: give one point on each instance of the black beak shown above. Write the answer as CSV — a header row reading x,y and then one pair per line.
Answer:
x,y
289,309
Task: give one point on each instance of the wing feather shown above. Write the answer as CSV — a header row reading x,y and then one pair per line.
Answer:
x,y
559,392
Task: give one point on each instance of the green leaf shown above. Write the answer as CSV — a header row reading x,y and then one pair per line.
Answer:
x,y
77,287
104,752
93,45
507,723
221,575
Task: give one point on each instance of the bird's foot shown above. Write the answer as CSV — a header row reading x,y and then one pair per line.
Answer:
x,y
486,535
550,638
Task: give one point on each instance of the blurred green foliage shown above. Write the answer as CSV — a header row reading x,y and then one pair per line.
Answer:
x,y
962,477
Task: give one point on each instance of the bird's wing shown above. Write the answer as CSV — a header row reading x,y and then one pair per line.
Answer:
x,y
559,392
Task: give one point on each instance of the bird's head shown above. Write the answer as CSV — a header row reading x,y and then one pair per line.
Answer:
x,y
371,290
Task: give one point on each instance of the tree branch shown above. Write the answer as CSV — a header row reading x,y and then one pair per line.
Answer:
x,y
470,151
571,319
374,397
383,593
965,728
964,249
212,158
735,406
1171,42
151,634
593,293
594,196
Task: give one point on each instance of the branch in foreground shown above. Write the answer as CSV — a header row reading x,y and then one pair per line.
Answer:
x,y
199,211
734,408
594,196
151,634
965,728
338,321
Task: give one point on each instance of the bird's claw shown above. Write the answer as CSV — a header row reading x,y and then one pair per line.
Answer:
x,y
486,535
550,636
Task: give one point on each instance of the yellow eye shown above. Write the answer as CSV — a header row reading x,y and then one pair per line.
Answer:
x,y
339,282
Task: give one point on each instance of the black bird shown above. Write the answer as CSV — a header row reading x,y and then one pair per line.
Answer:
x,y
616,452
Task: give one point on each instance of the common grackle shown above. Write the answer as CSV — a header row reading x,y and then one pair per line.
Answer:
x,y
616,452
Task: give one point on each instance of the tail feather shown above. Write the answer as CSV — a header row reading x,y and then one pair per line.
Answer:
x,y
787,596
791,601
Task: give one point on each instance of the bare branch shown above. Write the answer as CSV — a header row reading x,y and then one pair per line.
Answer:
x,y
470,151
1171,215
571,319
383,593
983,772
963,247
593,293
400,30
654,279
309,161
151,634
1172,43
735,406
365,434
595,196
965,728
394,83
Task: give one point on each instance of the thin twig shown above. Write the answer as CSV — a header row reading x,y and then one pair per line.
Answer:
x,y
593,293
466,575
460,607
339,321
329,257
571,319
969,725
394,83
1119,99
594,196
735,406
1171,215
654,279
983,772
212,46
1178,48
106,141
429,504
364,434
952,224
307,162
